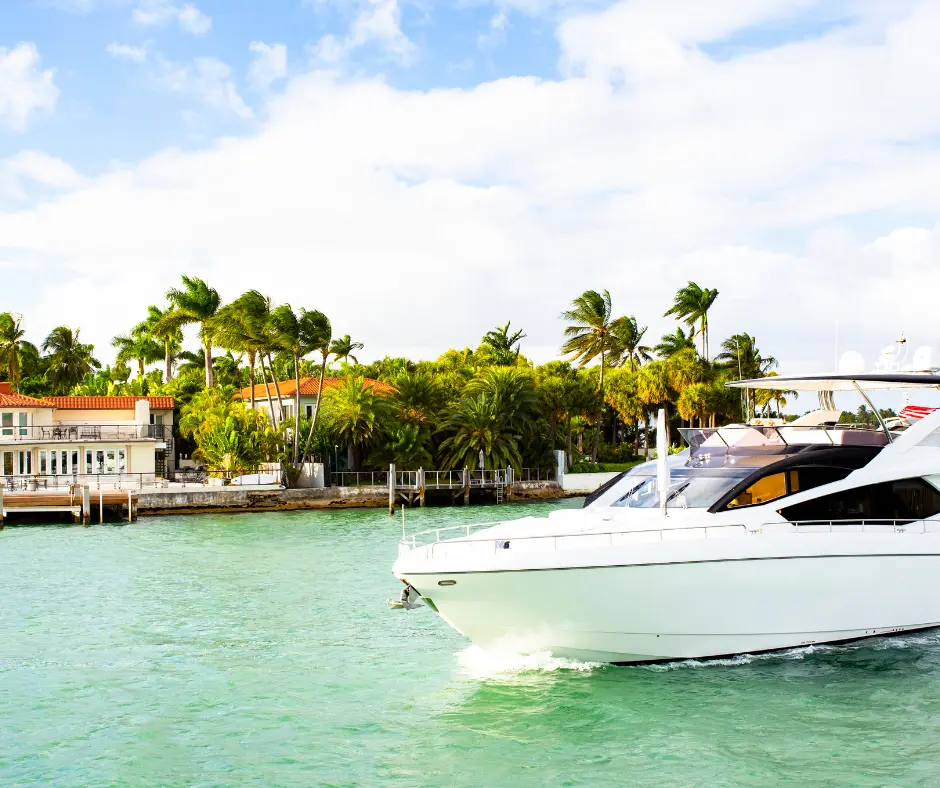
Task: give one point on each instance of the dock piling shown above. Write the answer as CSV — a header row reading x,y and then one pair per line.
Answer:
x,y
130,506
1,507
391,489
421,487
86,505
466,486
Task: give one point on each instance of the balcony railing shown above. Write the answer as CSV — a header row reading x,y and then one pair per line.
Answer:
x,y
96,481
73,433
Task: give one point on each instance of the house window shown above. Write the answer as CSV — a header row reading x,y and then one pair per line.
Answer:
x,y
6,423
903,500
24,430
6,463
24,462
308,410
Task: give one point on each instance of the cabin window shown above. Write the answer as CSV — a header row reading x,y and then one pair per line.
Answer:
x,y
779,485
903,500
767,489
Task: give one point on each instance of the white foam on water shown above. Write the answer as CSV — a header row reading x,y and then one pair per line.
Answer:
x,y
745,659
481,664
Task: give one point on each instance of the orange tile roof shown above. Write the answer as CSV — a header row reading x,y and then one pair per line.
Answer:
x,y
109,403
308,387
8,399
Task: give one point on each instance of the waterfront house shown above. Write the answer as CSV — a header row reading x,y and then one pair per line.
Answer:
x,y
309,389
106,441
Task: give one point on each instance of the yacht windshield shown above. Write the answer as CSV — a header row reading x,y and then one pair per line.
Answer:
x,y
689,488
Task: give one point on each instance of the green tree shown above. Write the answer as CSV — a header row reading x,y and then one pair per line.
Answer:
x,y
504,346
298,334
12,339
137,346
194,303
589,337
343,348
739,353
171,338
357,414
691,304
670,344
654,390
621,394
69,360
627,343
474,426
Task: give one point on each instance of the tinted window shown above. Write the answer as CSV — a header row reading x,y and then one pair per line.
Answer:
x,y
906,499
783,483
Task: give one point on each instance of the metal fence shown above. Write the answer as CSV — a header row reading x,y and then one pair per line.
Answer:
x,y
359,478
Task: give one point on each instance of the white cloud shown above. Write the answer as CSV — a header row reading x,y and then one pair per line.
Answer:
x,y
378,22
793,179
22,173
268,65
496,34
24,86
127,52
152,13
206,79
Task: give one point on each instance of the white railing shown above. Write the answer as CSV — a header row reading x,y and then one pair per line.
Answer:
x,y
461,535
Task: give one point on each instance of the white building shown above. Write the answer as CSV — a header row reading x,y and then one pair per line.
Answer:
x,y
105,441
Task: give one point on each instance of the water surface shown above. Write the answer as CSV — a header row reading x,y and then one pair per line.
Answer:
x,y
257,649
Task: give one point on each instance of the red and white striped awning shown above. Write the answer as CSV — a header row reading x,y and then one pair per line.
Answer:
x,y
915,412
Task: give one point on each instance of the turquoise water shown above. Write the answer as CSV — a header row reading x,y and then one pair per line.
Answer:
x,y
258,650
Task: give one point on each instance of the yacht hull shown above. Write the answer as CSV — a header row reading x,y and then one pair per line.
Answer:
x,y
684,610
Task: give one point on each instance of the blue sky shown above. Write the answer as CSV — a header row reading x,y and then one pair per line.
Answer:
x,y
424,171
111,109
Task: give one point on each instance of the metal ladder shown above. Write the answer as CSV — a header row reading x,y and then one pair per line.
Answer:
x,y
499,494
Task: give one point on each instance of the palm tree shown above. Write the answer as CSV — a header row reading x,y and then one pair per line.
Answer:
x,y
11,343
243,326
691,304
137,346
319,335
343,349
627,339
670,344
69,360
357,414
475,426
298,334
170,337
195,303
740,354
505,346
589,336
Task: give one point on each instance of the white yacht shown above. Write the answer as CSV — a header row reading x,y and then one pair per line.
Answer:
x,y
768,537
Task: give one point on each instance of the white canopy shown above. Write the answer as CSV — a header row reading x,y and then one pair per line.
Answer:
x,y
869,382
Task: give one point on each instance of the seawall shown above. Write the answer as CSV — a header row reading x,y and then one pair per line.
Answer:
x,y
199,500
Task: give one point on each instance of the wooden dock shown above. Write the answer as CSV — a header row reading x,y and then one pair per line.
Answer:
x,y
85,506
413,486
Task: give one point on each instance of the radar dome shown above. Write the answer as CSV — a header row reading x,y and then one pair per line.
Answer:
x,y
851,363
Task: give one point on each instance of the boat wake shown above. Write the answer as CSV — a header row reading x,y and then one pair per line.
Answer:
x,y
481,664
919,639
